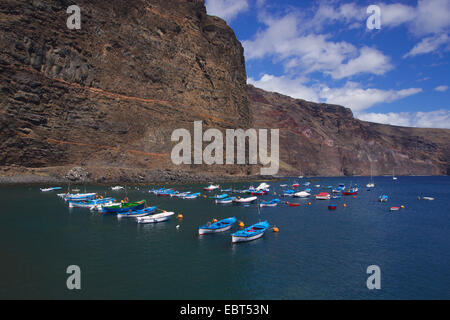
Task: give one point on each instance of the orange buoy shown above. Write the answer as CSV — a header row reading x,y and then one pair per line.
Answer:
x,y
180,216
402,206
344,205
275,229
241,224
214,220
309,203
354,197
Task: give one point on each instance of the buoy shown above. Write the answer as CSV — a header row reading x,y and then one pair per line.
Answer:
x,y
309,203
402,206
204,196
354,197
344,205
274,193
214,220
275,229
418,198
180,216
241,224
178,226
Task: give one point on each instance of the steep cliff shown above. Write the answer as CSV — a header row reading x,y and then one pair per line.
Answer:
x,y
324,140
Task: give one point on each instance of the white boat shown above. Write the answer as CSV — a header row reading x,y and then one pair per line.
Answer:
x,y
154,218
263,186
323,196
245,200
428,198
302,194
211,187
370,185
50,189
116,188
225,200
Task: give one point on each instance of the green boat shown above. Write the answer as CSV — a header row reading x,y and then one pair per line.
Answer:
x,y
124,207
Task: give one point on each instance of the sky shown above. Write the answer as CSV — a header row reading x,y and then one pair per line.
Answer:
x,y
387,61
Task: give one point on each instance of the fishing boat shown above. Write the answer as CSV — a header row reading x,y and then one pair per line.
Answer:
x,y
80,196
307,184
302,194
182,194
371,184
428,198
226,190
294,204
211,187
219,226
332,207
167,193
220,196
394,208
289,193
226,200
245,200
335,197
270,203
295,185
90,204
263,186
154,218
123,207
50,189
350,192
323,196
383,198
192,196
253,232
393,174
259,193
117,188
283,185
137,214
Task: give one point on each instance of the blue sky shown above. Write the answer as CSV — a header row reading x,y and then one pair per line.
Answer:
x,y
323,51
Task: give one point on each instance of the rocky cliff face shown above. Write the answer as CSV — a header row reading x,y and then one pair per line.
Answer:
x,y
323,140
108,96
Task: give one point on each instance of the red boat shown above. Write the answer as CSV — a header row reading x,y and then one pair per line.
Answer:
x,y
258,193
332,207
350,192
323,196
295,185
294,204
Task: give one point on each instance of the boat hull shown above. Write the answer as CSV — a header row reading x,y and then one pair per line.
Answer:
x,y
161,217
202,231
236,239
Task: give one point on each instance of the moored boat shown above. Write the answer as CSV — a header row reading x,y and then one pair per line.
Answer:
x,y
332,207
271,203
383,198
350,192
123,207
294,204
90,203
50,189
323,196
219,226
253,232
80,196
191,196
302,194
211,187
245,200
225,200
428,198
154,218
138,213
394,208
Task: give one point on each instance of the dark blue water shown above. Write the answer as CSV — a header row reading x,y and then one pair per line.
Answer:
x,y
318,254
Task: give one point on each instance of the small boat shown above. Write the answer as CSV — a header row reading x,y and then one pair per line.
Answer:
x,y
123,207
289,193
294,204
383,198
220,196
307,184
251,233
323,196
80,196
192,196
370,185
428,198
116,188
259,193
219,226
263,186
181,195
283,185
211,187
90,203
317,186
394,208
302,194
154,218
332,207
335,197
138,213
226,190
167,193
245,200
226,200
295,185
50,189
350,192
271,203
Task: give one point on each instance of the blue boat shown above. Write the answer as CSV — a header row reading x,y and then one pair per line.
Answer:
x,y
289,193
383,198
137,213
90,203
220,196
227,190
80,196
251,233
124,207
270,203
225,200
219,226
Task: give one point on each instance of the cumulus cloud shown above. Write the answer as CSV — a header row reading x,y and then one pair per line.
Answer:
x,y
429,44
432,119
351,95
226,9
441,88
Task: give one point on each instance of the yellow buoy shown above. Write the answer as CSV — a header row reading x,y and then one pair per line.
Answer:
x,y
274,193
180,216
344,205
403,207
275,229
214,220
241,224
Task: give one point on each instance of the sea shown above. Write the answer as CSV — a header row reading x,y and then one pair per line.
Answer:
x,y
317,253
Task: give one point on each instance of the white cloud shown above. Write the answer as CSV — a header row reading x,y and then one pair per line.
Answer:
x,y
286,41
226,9
432,119
351,95
429,44
441,88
